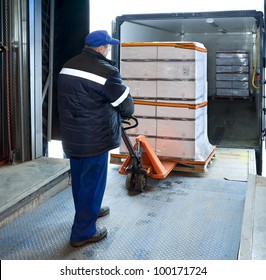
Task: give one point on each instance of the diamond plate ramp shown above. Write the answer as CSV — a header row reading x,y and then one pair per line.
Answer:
x,y
176,218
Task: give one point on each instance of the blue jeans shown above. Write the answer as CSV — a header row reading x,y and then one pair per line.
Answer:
x,y
88,177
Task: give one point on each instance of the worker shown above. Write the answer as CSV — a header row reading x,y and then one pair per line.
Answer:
x,y
92,101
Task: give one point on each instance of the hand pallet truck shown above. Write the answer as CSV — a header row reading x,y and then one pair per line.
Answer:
x,y
142,162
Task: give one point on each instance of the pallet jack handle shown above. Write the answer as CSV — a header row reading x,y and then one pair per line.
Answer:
x,y
130,126
126,139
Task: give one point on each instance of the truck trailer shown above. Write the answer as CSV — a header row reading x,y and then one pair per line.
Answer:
x,y
235,67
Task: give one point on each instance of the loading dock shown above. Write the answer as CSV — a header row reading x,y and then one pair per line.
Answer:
x,y
199,216
42,232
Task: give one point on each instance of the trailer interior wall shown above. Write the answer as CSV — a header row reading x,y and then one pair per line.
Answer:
x,y
233,122
230,34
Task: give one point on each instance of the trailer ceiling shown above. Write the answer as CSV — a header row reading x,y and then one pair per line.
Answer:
x,y
232,22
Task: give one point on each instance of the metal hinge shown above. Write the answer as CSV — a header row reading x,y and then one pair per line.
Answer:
x,y
3,48
263,134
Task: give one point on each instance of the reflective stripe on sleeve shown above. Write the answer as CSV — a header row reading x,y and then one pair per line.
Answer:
x,y
84,75
121,98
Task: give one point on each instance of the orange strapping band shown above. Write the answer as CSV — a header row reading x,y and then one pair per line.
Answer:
x,y
169,104
183,45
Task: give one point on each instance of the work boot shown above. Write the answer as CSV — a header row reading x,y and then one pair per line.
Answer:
x,y
104,211
99,235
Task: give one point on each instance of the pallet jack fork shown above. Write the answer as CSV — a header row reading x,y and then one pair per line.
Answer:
x,y
142,162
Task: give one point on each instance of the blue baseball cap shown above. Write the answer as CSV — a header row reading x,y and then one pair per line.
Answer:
x,y
100,38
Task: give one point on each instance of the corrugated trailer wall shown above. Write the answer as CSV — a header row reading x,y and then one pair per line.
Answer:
x,y
26,67
14,93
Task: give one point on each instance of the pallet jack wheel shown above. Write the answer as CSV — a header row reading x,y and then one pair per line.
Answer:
x,y
130,181
141,182
136,181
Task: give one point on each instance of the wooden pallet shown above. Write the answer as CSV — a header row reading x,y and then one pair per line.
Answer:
x,y
182,165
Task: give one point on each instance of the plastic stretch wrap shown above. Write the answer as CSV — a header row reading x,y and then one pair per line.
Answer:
x,y
168,81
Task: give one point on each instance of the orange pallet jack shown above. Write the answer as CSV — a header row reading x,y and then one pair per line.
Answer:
x,y
142,162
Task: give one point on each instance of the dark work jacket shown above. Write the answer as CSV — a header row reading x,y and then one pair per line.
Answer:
x,y
91,100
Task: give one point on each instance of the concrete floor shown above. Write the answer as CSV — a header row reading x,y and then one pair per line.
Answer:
x,y
25,186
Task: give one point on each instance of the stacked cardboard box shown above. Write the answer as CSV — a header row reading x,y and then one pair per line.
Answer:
x,y
168,81
232,73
